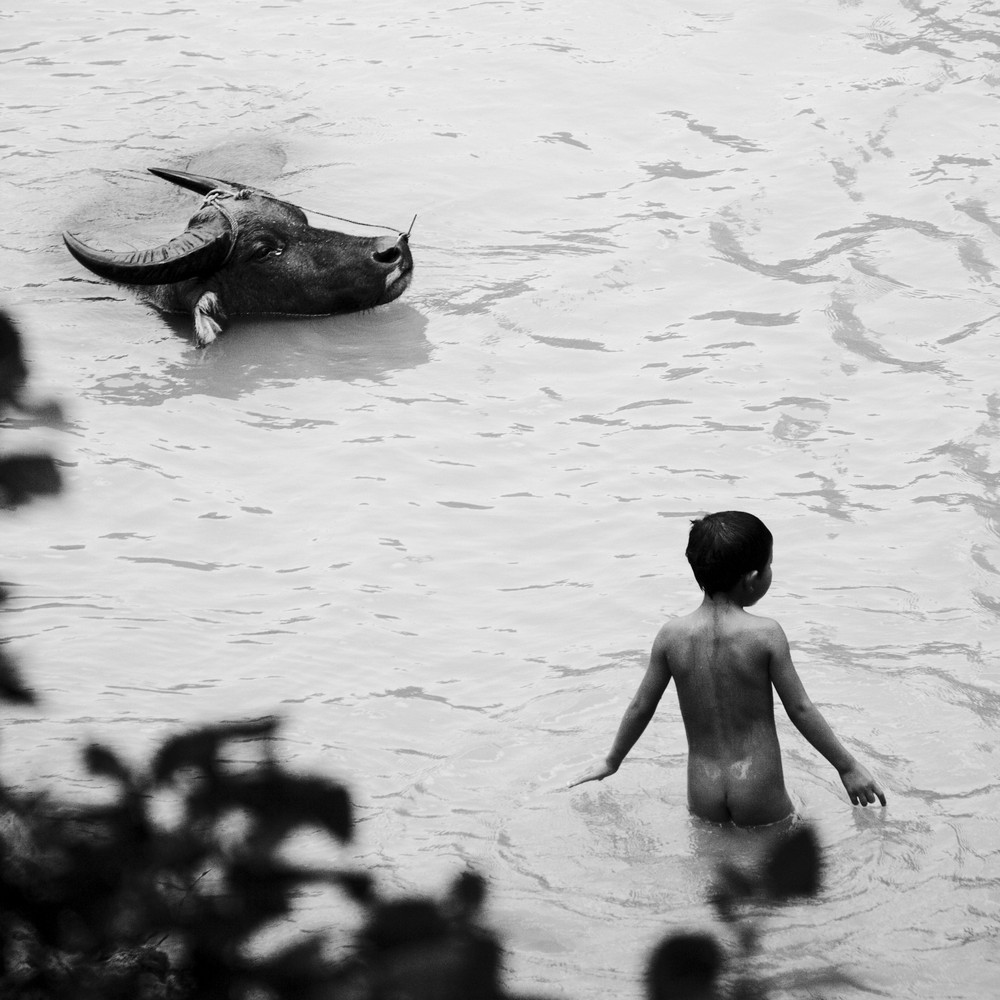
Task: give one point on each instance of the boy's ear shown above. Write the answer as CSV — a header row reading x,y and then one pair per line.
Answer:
x,y
750,580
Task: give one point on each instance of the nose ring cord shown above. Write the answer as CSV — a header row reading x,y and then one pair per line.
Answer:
x,y
213,198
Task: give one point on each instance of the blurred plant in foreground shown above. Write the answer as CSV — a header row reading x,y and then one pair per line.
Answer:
x,y
697,966
22,476
116,900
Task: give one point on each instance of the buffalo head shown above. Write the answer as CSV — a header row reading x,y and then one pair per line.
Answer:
x,y
245,251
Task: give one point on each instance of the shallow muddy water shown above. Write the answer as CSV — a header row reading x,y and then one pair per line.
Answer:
x,y
669,259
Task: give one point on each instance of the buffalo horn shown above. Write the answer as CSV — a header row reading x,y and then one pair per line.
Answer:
x,y
197,182
200,250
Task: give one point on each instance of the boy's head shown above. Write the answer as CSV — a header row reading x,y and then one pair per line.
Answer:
x,y
722,548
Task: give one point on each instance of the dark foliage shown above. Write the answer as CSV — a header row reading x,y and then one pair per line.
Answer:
x,y
685,967
12,688
790,870
22,477
795,867
106,900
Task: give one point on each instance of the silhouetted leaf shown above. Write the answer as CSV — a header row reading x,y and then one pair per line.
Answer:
x,y
468,893
684,966
359,886
262,889
795,866
404,922
200,749
281,802
732,886
23,477
13,370
12,688
265,875
103,761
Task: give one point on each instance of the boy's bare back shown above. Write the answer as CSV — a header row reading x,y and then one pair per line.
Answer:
x,y
719,658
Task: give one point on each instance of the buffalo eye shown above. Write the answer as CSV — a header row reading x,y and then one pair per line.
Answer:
x,y
263,252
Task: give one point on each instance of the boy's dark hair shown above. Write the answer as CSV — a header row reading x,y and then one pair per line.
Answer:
x,y
722,548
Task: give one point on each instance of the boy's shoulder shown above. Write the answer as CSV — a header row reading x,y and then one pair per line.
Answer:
x,y
765,627
684,626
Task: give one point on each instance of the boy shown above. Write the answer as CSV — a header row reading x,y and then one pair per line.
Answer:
x,y
724,662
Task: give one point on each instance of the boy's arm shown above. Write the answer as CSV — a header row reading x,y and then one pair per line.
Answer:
x,y
637,715
861,787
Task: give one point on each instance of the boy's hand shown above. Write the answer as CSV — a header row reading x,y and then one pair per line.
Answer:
x,y
605,770
861,786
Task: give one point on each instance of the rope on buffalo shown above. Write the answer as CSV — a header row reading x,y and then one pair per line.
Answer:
x,y
370,225
214,198
354,222
340,218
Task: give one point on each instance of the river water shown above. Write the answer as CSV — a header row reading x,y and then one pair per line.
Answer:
x,y
670,258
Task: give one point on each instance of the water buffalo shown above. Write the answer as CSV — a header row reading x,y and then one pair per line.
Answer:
x,y
245,251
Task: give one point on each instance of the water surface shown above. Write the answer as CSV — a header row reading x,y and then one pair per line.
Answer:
x,y
670,259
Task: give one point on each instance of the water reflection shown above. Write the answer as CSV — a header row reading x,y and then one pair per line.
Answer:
x,y
270,351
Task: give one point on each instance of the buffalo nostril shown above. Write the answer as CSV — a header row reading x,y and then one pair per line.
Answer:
x,y
390,256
